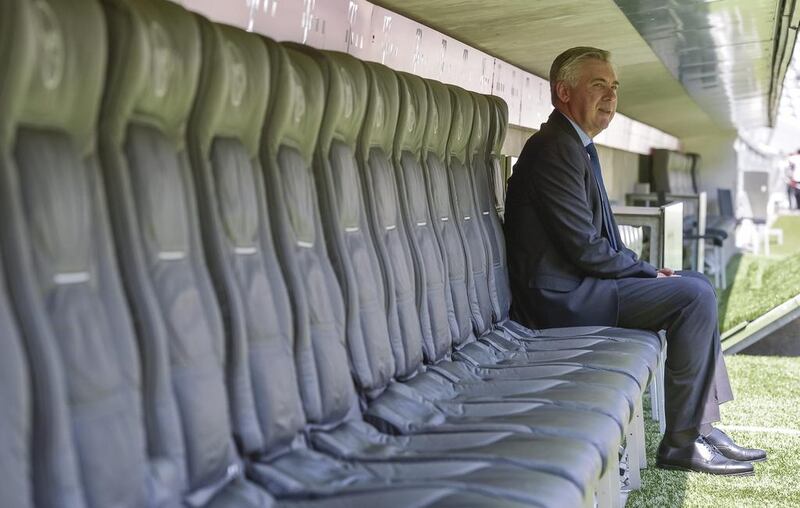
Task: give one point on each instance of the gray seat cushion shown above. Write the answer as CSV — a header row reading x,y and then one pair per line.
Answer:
x,y
92,401
284,135
154,69
16,412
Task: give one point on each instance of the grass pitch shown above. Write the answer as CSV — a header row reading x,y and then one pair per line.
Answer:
x,y
765,414
758,284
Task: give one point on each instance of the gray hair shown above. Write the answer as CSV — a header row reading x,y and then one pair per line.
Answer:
x,y
565,66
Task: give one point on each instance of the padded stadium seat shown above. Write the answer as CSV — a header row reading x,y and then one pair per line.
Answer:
x,y
16,412
448,231
551,338
292,192
38,463
432,283
380,188
498,123
268,419
431,267
476,177
153,73
629,358
408,411
449,237
472,196
462,298
422,497
152,405
632,359
480,269
223,142
467,148
95,419
154,426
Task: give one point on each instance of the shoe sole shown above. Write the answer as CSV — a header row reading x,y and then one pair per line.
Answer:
x,y
683,468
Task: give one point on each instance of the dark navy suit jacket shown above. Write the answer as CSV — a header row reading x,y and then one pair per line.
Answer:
x,y
561,268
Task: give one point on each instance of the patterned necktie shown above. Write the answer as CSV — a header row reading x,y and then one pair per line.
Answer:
x,y
608,223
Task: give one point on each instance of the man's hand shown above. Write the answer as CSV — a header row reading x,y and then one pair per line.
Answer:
x,y
666,272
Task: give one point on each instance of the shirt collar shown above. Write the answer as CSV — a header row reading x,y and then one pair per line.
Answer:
x,y
585,139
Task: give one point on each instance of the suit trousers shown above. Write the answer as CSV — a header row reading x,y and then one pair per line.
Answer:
x,y
696,380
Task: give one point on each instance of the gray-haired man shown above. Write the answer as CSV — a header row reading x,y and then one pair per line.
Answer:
x,y
568,265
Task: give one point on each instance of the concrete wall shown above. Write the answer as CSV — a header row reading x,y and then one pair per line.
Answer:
x,y
620,172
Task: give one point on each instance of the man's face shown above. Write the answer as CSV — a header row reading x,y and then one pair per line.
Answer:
x,y
593,101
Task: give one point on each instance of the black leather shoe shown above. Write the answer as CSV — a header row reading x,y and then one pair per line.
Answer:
x,y
728,448
701,457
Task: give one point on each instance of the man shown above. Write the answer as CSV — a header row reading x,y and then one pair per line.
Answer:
x,y
793,179
568,266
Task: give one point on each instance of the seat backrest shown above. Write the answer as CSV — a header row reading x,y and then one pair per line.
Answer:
x,y
96,415
347,230
480,169
464,208
448,231
390,230
288,144
433,285
673,172
16,412
725,203
223,139
499,114
153,74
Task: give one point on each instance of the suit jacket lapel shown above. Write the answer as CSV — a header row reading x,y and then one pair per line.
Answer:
x,y
558,121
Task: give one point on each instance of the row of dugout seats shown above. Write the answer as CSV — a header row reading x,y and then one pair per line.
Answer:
x,y
674,176
242,273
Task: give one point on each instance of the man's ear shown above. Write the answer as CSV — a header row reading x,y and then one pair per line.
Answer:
x,y
563,91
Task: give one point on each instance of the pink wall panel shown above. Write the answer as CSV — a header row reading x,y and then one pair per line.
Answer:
x,y
507,83
235,12
359,20
535,107
376,34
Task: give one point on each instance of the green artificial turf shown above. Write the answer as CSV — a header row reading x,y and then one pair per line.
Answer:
x,y
790,224
765,414
757,284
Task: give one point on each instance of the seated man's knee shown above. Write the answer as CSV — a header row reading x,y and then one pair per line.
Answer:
x,y
697,288
705,295
697,276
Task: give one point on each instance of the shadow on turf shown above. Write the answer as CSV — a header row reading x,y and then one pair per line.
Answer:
x,y
782,342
